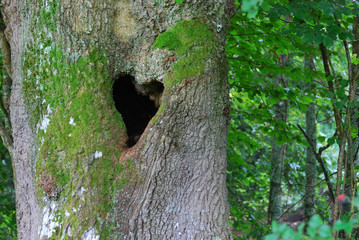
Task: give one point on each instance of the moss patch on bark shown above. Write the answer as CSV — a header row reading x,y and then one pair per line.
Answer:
x,y
80,134
193,43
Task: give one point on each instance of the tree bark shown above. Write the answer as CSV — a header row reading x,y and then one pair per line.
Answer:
x,y
277,161
278,153
310,166
76,176
353,142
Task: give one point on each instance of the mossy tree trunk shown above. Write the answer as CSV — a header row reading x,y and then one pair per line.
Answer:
x,y
77,173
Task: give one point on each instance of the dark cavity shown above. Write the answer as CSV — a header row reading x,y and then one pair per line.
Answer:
x,y
136,105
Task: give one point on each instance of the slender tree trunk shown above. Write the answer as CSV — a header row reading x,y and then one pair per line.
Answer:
x,y
86,79
277,161
346,130
353,142
278,154
310,166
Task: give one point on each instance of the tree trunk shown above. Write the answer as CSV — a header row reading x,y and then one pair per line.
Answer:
x,y
310,166
119,113
278,154
353,140
276,173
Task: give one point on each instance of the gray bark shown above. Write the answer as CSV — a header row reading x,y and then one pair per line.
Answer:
x,y
28,210
353,142
278,153
276,173
74,175
310,166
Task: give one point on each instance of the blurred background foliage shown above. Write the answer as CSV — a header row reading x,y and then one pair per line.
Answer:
x,y
260,33
7,188
7,197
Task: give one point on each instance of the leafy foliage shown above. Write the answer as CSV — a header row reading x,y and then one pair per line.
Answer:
x,y
7,199
317,229
251,7
8,226
260,35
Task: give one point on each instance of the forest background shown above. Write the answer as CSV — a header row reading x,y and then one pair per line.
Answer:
x,y
293,139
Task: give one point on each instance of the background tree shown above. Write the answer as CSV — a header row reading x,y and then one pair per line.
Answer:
x,y
83,169
310,165
278,151
322,31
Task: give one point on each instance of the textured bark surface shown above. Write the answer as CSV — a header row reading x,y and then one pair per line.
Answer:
x,y
75,176
310,164
353,143
277,161
28,210
278,153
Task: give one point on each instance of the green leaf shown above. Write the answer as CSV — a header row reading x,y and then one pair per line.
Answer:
x,y
301,228
271,236
356,199
331,140
341,105
179,1
328,42
344,83
252,12
318,39
321,139
341,93
346,226
325,231
324,6
288,233
275,226
300,12
266,7
330,78
251,7
309,37
342,36
311,232
315,221
355,61
307,99
247,5
303,107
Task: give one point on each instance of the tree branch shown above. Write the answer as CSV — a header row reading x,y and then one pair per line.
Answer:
x,y
321,162
325,58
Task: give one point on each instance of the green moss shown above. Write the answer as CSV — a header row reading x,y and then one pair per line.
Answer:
x,y
82,121
167,40
76,98
159,112
193,42
128,175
